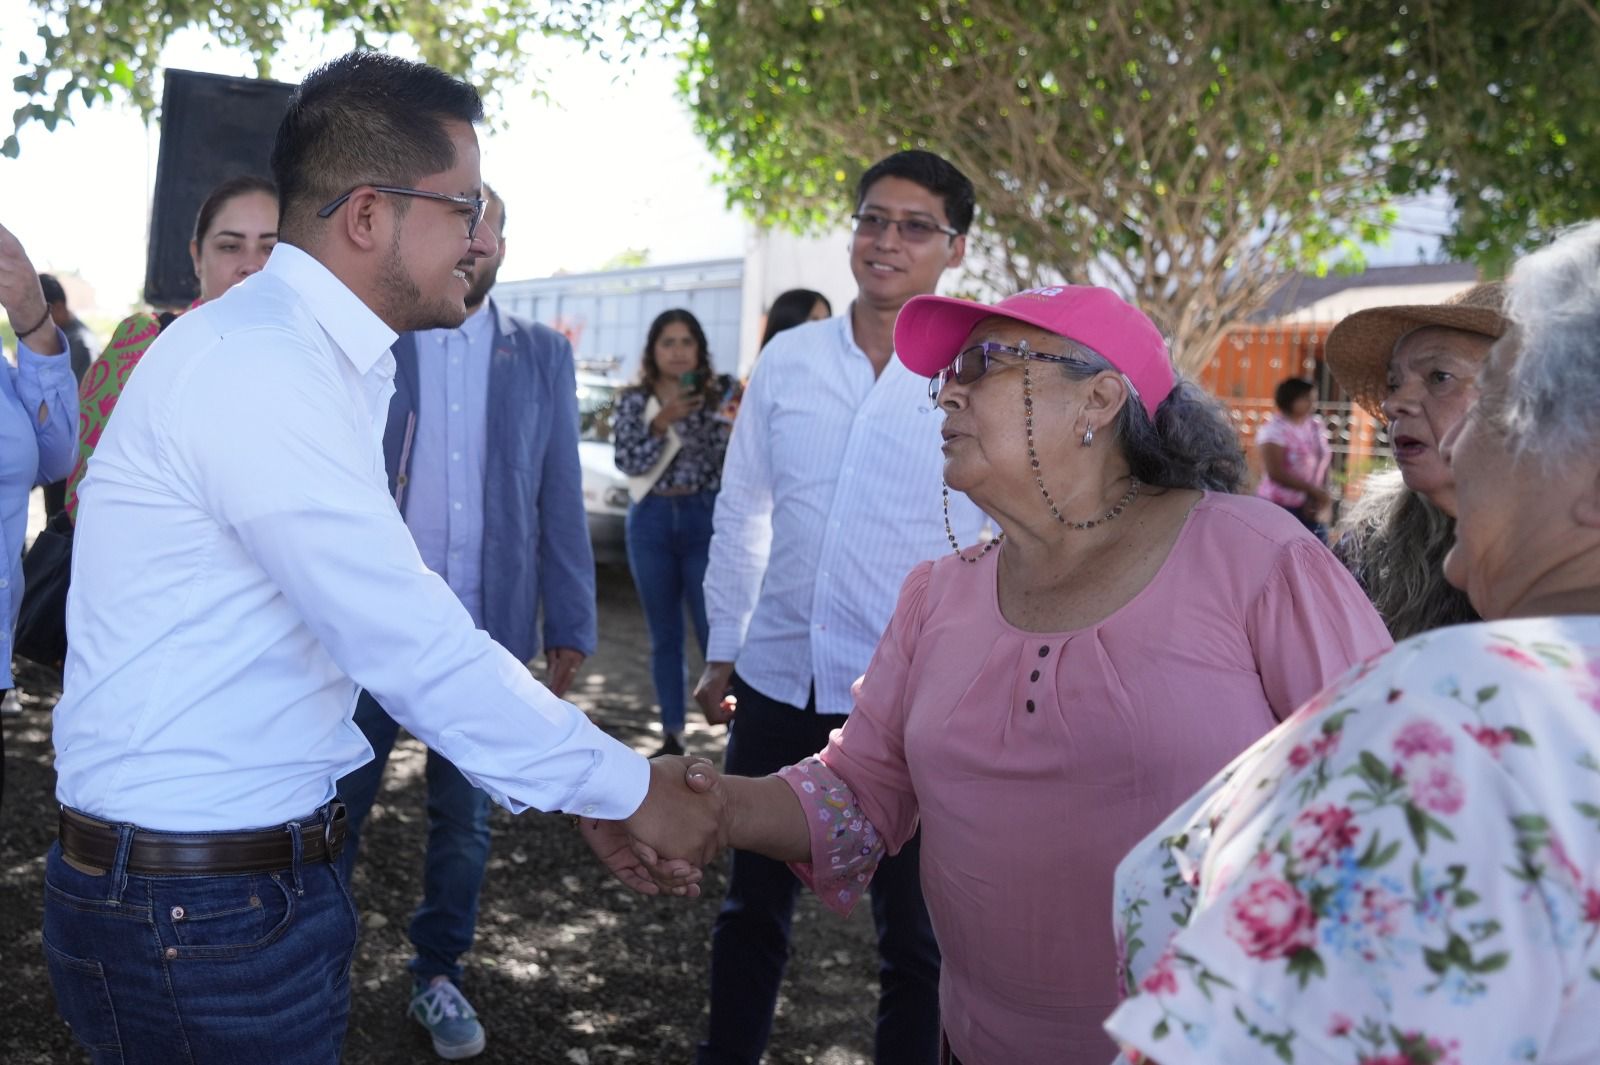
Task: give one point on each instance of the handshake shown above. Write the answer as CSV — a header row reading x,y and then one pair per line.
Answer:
x,y
683,823
690,814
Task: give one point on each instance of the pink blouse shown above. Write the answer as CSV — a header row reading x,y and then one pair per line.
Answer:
x,y
1036,760
1305,452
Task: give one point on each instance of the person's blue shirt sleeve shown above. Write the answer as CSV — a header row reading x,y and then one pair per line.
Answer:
x,y
49,393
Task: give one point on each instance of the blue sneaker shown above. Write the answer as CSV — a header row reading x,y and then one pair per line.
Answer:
x,y
444,1011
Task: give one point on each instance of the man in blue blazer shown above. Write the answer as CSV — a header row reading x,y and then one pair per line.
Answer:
x,y
482,452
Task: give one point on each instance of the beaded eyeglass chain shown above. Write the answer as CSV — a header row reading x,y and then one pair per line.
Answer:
x,y
1038,478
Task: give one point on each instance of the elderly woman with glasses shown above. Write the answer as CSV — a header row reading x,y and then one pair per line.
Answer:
x,y
1408,870
1040,701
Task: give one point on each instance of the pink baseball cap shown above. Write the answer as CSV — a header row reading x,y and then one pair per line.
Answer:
x,y
930,330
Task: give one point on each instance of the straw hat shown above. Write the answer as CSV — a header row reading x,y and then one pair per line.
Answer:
x,y
1359,348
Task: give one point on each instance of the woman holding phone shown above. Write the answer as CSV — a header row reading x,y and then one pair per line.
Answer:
x,y
670,442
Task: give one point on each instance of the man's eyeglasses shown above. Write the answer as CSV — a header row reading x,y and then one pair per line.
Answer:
x,y
871,224
971,364
474,204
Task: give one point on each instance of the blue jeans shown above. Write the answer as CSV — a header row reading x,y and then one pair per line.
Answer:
x,y
156,970
750,941
458,846
669,540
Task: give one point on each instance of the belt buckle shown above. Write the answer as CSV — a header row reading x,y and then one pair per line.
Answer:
x,y
336,814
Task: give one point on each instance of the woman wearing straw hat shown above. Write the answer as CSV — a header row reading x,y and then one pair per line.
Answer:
x,y
1416,368
1040,701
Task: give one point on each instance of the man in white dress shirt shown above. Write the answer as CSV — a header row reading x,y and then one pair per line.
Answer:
x,y
240,568
830,495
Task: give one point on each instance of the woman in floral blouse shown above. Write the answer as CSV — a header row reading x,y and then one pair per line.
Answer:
x,y
1408,871
670,440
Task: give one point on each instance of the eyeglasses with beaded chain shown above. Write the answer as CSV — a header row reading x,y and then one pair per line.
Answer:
x,y
969,365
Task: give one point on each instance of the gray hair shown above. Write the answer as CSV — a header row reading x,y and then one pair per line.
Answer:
x,y
1190,443
1393,541
1553,301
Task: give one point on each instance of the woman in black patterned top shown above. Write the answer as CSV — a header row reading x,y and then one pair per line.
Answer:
x,y
670,440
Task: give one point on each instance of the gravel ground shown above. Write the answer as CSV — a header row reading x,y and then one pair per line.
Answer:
x,y
570,968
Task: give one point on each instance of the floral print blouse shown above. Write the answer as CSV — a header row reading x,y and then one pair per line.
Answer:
x,y
703,434
1407,872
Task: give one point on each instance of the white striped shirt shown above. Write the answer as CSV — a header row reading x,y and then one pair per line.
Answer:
x,y
830,495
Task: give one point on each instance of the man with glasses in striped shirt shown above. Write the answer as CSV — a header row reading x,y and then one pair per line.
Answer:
x,y
831,493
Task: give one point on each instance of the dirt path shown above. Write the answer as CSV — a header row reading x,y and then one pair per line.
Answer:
x,y
570,968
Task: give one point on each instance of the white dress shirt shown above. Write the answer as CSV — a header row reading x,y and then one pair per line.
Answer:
x,y
240,568
830,495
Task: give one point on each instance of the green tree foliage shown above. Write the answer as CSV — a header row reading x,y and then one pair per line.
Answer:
x,y
1187,152
1489,100
627,259
88,52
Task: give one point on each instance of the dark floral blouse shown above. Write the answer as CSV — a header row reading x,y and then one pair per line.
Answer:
x,y
704,436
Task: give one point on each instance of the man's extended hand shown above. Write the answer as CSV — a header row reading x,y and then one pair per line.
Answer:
x,y
712,693
561,669
614,847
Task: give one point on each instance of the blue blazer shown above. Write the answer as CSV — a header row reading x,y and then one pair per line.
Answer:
x,y
536,550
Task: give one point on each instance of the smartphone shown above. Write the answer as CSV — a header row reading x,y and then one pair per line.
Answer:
x,y
689,382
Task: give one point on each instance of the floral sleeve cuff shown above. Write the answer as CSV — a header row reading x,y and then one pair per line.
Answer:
x,y
845,847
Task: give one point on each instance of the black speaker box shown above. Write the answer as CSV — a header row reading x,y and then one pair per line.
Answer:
x,y
212,128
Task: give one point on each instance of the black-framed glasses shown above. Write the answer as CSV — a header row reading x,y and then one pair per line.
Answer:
x,y
871,224
476,203
972,363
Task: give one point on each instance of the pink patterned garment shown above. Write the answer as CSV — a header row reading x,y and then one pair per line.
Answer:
x,y
1305,452
102,387
1033,761
1407,872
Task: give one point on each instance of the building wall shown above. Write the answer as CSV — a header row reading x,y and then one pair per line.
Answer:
x,y
1250,361
607,315
777,261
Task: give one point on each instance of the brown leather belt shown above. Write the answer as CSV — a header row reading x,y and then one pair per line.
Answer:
x,y
88,842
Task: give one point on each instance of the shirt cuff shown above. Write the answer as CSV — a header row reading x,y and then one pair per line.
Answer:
x,y
724,642
616,788
44,366
845,847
